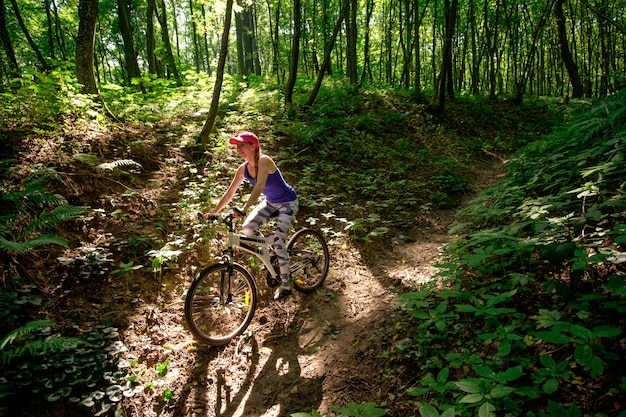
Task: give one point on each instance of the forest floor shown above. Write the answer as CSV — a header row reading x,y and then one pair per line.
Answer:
x,y
307,352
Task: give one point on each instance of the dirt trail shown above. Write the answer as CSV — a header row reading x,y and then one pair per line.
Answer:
x,y
308,352
303,353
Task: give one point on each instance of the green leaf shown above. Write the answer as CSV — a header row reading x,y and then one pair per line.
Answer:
x,y
485,372
510,374
442,376
504,348
168,394
606,331
581,332
553,337
486,410
550,386
597,367
467,386
450,412
500,391
547,318
583,354
427,410
547,361
465,308
472,398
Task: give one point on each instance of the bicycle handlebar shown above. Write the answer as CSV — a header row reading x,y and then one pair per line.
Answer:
x,y
227,219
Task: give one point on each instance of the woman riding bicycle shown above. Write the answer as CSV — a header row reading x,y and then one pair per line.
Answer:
x,y
280,199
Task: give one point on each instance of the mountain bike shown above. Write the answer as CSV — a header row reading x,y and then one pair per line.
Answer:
x,y
222,299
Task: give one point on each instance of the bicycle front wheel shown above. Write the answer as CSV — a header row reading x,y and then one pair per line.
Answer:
x,y
308,260
219,305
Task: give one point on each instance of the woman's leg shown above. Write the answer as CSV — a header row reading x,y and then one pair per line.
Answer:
x,y
286,218
257,218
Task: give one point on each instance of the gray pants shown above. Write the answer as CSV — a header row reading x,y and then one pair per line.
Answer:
x,y
286,218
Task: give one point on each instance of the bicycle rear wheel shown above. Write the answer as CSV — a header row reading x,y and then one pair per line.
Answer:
x,y
215,313
308,260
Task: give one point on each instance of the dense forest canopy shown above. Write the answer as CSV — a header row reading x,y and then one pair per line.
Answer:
x,y
571,48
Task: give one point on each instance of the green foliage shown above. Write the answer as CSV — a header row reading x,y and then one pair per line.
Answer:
x,y
41,99
37,361
368,409
552,232
20,199
33,347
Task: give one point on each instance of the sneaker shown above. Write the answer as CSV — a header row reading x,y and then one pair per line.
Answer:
x,y
282,292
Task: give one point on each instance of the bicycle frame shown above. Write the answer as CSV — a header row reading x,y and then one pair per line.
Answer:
x,y
256,246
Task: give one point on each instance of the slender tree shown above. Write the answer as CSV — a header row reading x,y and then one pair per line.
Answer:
x,y
566,54
367,67
150,39
165,36
7,44
194,37
327,53
273,32
295,53
351,38
42,61
85,74
219,77
520,85
130,55
445,82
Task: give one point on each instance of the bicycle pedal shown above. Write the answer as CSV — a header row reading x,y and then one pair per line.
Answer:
x,y
271,281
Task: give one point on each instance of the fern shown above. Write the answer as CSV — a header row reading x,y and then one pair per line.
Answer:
x,y
119,164
26,330
35,346
58,215
49,239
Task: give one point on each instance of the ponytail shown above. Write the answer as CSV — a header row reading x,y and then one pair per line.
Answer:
x,y
257,156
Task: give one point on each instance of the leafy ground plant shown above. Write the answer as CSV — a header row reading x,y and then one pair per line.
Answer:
x,y
552,230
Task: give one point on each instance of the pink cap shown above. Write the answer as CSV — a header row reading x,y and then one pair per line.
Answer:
x,y
245,137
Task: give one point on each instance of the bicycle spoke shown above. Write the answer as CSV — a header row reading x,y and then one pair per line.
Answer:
x,y
215,316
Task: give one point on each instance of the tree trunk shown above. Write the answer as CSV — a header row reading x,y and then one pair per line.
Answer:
x,y
248,35
351,37
327,53
274,38
521,84
445,78
85,74
367,70
566,54
295,53
58,32
49,31
169,54
241,50
150,40
475,60
42,61
207,59
7,44
130,55
194,37
219,77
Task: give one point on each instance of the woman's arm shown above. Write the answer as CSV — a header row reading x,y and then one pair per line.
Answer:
x,y
230,193
266,167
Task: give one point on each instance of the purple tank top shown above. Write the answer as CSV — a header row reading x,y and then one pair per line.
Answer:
x,y
276,188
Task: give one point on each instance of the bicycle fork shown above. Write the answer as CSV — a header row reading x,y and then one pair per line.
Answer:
x,y
226,279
